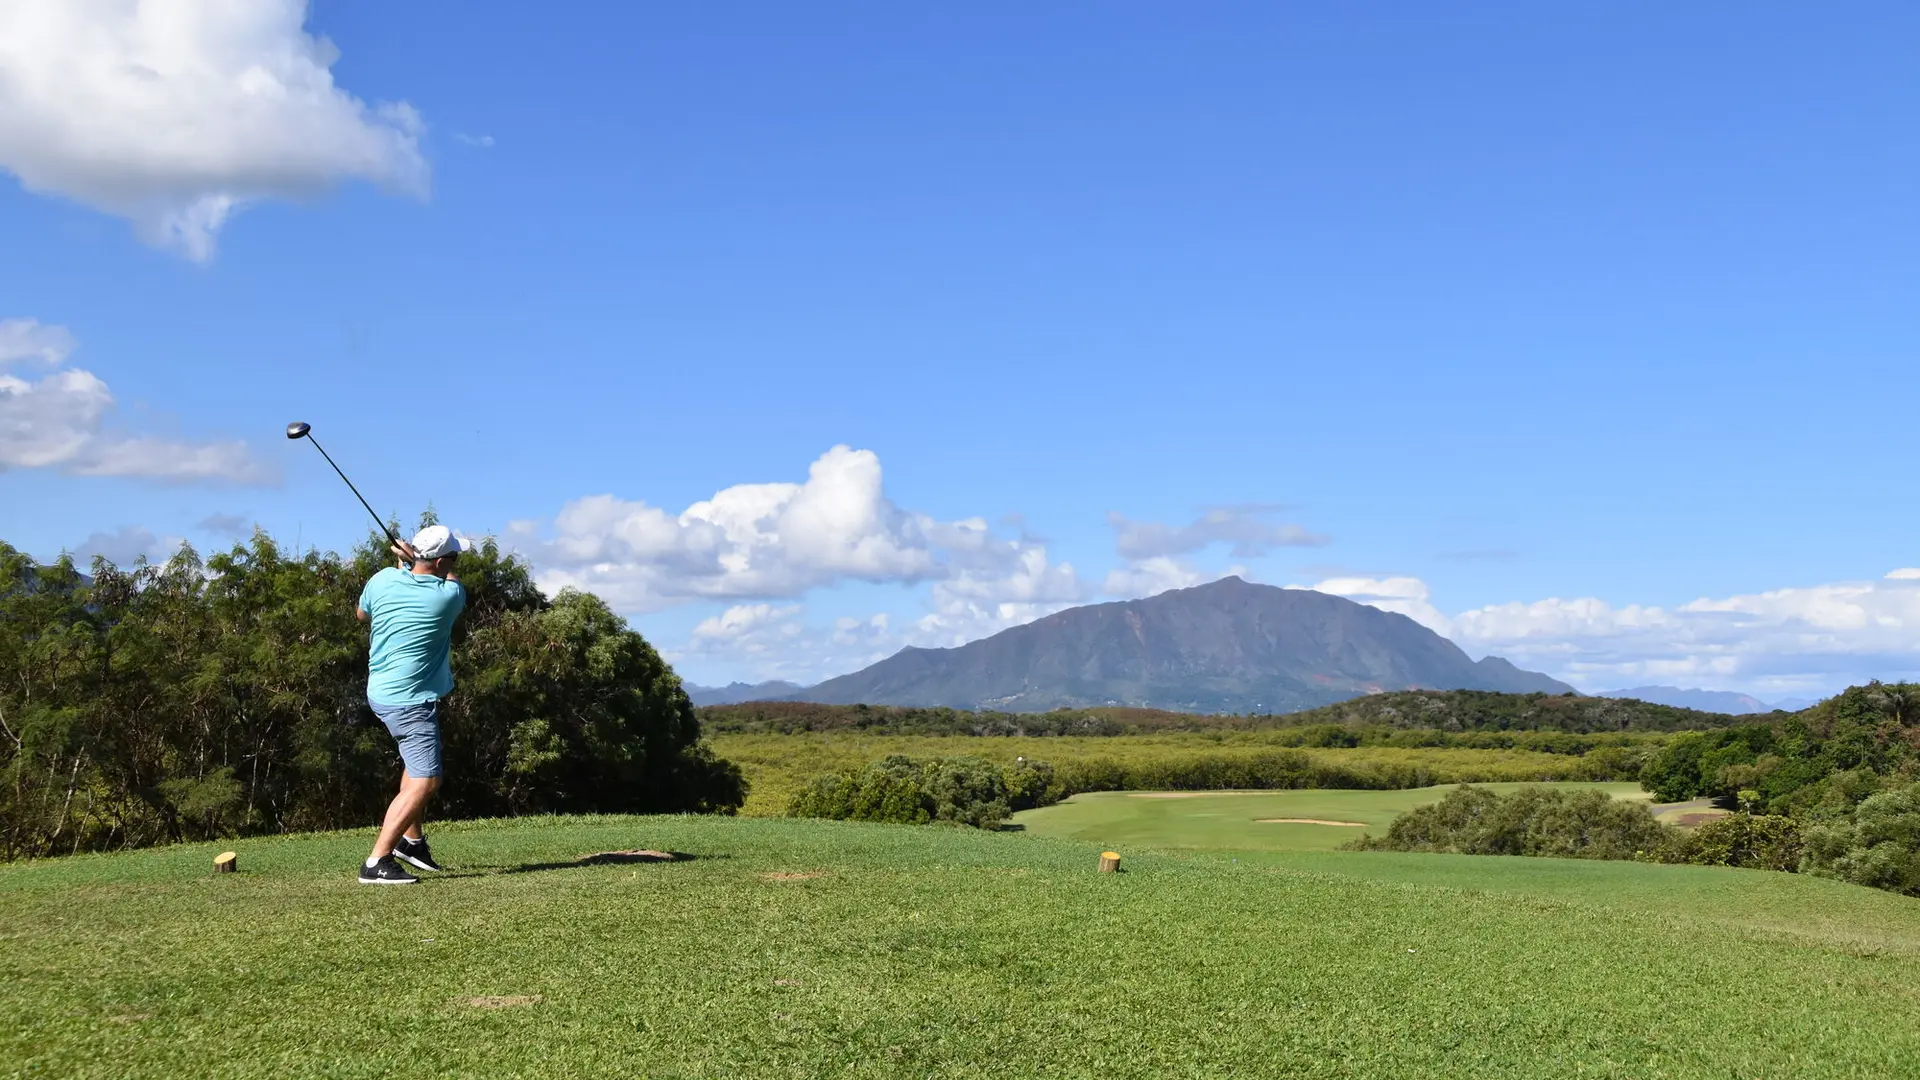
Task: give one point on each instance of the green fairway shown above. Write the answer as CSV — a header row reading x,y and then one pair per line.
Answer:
x,y
1242,820
778,766
803,948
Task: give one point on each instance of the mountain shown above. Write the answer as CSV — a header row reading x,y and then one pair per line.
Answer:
x,y
1715,701
734,693
1228,646
1796,704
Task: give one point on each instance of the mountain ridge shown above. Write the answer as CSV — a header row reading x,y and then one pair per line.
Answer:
x,y
1226,646
1718,701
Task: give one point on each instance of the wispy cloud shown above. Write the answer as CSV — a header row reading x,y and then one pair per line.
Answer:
x,y
1797,640
127,544
484,142
1246,528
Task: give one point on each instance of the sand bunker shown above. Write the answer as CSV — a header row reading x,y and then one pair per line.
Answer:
x,y
1307,821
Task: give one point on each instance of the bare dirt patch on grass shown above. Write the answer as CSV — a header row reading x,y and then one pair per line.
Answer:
x,y
793,875
501,1001
638,855
1308,821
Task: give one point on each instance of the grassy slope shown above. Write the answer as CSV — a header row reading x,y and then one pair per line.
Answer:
x,y
1230,821
939,952
779,765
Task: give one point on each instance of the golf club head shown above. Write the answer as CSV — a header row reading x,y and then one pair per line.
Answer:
x,y
297,429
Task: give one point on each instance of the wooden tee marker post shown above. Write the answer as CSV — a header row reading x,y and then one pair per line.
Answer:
x,y
1109,861
226,862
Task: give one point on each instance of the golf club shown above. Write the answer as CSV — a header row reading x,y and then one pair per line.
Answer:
x,y
298,430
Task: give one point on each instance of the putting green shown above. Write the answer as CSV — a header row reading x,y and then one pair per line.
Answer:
x,y
1244,820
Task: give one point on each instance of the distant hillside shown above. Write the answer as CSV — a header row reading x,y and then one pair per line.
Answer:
x,y
739,691
792,717
1228,646
1719,701
1468,710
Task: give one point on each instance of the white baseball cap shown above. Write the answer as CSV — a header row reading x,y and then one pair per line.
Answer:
x,y
435,541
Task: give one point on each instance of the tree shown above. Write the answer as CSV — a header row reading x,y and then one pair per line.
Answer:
x,y
191,700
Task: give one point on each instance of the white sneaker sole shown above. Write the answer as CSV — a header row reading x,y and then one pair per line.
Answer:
x,y
389,881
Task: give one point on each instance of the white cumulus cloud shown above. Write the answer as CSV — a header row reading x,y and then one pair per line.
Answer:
x,y
174,114
59,420
778,540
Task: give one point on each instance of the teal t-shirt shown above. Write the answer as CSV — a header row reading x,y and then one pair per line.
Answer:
x,y
412,617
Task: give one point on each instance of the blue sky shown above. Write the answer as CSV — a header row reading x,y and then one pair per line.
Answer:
x,y
1581,336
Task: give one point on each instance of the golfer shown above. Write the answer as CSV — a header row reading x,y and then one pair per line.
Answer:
x,y
412,609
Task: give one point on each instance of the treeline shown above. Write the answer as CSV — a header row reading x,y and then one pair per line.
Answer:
x,y
1378,719
1483,710
196,699
1828,758
968,790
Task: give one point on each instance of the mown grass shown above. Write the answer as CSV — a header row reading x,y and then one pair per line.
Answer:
x,y
806,948
1240,820
777,766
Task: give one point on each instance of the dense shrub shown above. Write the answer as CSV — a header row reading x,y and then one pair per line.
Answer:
x,y
902,790
196,700
1531,821
1760,842
1878,846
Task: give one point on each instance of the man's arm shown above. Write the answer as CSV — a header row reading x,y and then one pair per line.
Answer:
x,y
360,613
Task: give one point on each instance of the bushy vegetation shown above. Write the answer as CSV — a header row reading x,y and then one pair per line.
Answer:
x,y
1756,841
196,700
779,766
1876,844
1532,821
948,790
901,788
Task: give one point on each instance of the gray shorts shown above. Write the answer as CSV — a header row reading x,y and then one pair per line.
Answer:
x,y
417,729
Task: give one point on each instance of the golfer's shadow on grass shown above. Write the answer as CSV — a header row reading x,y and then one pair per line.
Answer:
x,y
603,858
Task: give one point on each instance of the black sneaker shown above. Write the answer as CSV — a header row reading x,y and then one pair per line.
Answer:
x,y
386,872
417,853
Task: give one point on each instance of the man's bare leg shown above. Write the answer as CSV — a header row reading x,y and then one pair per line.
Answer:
x,y
404,813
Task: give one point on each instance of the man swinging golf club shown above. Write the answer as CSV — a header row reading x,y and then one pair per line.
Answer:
x,y
411,610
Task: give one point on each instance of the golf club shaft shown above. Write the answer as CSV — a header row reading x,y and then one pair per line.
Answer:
x,y
355,490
